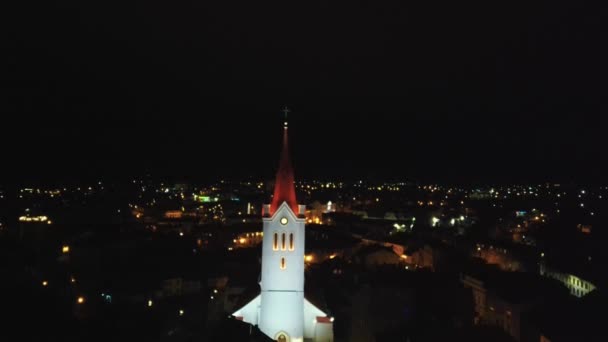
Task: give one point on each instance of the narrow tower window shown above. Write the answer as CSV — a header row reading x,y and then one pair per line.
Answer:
x,y
283,242
275,242
283,265
291,247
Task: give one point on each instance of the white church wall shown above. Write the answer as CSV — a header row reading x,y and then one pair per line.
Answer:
x,y
311,313
324,332
282,312
291,276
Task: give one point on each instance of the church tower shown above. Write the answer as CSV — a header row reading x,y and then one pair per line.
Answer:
x,y
281,311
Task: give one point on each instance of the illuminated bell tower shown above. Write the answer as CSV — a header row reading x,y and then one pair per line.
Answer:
x,y
281,312
282,282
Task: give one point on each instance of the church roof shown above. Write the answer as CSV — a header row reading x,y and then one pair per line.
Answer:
x,y
284,188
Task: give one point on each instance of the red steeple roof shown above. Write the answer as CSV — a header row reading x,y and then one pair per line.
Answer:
x,y
284,187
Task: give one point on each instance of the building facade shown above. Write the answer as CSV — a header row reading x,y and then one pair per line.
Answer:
x,y
281,311
578,286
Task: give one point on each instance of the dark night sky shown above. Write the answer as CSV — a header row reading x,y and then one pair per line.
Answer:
x,y
436,90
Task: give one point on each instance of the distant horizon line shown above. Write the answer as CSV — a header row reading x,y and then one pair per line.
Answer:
x,y
351,180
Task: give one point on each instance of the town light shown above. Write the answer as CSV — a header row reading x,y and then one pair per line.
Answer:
x,y
80,300
65,249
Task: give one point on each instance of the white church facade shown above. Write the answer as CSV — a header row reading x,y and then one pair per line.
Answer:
x,y
281,311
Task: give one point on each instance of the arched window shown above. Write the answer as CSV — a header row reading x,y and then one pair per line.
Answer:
x,y
275,242
283,242
291,243
283,265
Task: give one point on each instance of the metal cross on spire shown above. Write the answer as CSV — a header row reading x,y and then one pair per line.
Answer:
x,y
285,111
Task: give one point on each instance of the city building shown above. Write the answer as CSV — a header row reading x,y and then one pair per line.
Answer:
x,y
281,311
508,300
577,286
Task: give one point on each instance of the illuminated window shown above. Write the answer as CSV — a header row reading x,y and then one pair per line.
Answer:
x,y
283,242
275,242
283,266
291,247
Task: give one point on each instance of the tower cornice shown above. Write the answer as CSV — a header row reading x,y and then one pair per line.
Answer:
x,y
285,207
